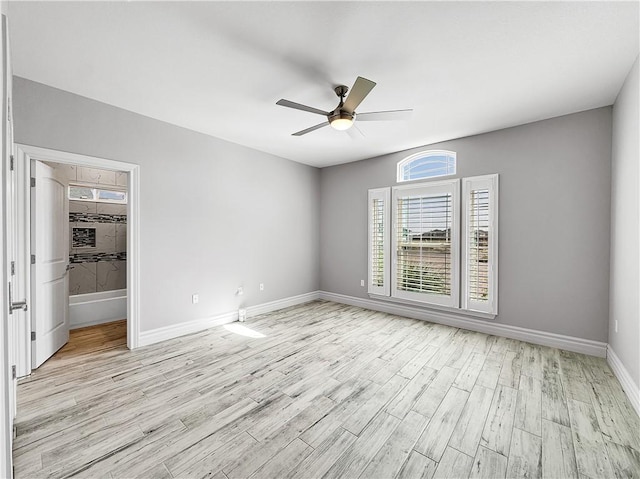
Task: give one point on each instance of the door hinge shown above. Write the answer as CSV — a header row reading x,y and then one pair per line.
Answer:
x,y
13,371
13,268
33,335
33,182
11,163
33,259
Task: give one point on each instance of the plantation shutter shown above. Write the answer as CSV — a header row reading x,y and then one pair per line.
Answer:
x,y
425,243
480,244
378,276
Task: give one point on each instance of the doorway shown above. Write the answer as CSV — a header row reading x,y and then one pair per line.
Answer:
x,y
87,175
94,248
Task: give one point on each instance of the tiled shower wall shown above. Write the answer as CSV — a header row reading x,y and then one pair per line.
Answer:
x,y
103,267
92,176
98,263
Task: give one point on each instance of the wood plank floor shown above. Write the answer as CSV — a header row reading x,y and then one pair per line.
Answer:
x,y
92,339
327,390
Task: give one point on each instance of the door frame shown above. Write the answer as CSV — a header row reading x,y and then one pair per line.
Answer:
x,y
7,333
23,155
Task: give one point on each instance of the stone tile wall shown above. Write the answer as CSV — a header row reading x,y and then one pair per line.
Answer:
x,y
98,252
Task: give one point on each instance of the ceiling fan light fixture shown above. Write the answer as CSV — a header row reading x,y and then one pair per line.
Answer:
x,y
344,115
342,120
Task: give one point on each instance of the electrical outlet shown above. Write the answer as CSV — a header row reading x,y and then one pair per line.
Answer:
x,y
616,325
362,283
195,298
261,286
240,291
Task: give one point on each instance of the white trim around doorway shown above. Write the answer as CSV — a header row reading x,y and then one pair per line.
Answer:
x,y
24,155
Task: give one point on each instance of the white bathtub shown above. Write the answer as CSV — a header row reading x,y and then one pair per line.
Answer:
x,y
97,308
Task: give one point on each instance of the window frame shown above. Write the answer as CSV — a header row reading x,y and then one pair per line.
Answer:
x,y
422,154
383,194
470,184
432,188
464,305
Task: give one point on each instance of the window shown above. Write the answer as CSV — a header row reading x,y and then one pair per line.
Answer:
x,y
81,193
425,242
427,164
480,243
85,193
378,241
112,196
419,257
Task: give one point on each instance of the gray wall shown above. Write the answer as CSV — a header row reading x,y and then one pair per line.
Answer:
x,y
555,178
214,215
625,234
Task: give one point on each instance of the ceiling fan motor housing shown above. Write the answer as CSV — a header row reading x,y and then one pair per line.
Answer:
x,y
340,114
341,119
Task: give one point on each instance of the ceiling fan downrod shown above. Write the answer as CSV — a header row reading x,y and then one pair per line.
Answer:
x,y
341,91
341,119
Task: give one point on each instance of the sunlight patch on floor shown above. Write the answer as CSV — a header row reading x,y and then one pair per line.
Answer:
x,y
243,330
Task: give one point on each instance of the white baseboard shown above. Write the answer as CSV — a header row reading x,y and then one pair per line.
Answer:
x,y
282,303
569,343
626,381
177,330
97,308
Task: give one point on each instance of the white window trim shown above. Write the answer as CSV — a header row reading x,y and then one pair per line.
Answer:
x,y
433,307
463,305
430,188
488,182
385,195
399,176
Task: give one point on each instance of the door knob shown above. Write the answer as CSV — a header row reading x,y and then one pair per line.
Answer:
x,y
17,305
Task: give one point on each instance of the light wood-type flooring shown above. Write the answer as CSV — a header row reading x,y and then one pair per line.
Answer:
x,y
92,339
327,390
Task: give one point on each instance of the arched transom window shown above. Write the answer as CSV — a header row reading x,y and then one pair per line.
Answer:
x,y
427,164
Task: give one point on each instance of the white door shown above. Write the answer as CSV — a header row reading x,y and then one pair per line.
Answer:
x,y
50,262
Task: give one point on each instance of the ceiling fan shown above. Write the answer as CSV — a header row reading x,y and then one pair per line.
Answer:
x,y
344,115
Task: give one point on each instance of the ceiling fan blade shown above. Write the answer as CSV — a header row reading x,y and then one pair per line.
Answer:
x,y
355,133
359,91
299,106
309,130
385,115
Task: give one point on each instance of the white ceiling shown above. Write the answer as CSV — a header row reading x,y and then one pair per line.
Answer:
x,y
219,67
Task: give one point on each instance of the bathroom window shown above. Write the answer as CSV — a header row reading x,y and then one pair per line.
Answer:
x,y
112,196
85,193
80,193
